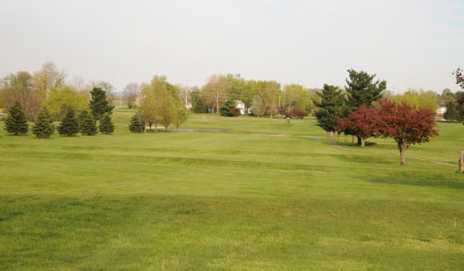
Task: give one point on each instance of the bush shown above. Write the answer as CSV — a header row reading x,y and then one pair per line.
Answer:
x,y
87,124
16,122
69,126
43,127
106,125
137,124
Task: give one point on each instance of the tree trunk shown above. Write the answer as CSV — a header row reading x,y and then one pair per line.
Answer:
x,y
363,142
402,148
360,141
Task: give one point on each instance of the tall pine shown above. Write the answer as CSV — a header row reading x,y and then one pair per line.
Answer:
x,y
106,125
69,126
87,124
99,104
16,123
43,127
362,89
331,106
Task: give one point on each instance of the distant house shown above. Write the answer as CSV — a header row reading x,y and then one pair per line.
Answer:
x,y
240,106
441,112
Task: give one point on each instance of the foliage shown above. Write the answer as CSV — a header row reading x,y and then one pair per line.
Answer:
x,y
330,107
106,125
258,108
407,125
69,125
460,77
216,91
418,98
137,125
44,126
62,98
87,124
365,122
452,113
16,122
99,104
198,106
229,109
296,101
362,89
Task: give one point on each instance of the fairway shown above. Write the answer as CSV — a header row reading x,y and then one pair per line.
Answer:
x,y
230,194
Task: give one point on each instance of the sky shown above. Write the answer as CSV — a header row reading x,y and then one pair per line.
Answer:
x,y
410,43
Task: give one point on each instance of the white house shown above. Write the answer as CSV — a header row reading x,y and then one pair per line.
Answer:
x,y
441,112
240,106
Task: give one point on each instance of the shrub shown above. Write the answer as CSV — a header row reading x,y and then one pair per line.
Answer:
x,y
229,109
43,127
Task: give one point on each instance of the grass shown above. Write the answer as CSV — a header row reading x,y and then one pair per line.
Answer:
x,y
229,194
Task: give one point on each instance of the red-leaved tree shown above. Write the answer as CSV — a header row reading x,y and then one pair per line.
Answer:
x,y
407,125
365,122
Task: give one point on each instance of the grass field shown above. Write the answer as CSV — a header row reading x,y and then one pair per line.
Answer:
x,y
230,194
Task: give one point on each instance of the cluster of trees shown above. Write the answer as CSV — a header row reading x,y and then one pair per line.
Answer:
x,y
361,110
160,104
454,102
44,98
260,97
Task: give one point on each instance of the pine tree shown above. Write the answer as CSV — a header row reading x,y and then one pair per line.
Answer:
x,y
229,109
99,103
69,126
43,127
137,125
331,106
451,113
106,125
362,89
16,122
87,124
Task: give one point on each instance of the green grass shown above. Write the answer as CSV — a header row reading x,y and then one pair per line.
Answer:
x,y
229,194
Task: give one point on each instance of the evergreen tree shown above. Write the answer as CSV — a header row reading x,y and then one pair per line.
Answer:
x,y
99,103
87,124
43,127
229,109
16,122
331,106
137,125
362,89
69,126
451,113
106,125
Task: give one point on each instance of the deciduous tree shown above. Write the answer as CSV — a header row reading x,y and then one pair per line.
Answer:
x,y
365,122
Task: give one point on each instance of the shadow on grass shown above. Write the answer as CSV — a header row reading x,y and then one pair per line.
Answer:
x,y
449,181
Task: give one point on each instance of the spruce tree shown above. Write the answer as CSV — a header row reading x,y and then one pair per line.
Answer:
x,y
69,126
362,89
137,125
106,125
331,106
16,122
43,127
87,124
99,103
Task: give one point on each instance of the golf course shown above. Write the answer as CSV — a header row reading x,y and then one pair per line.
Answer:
x,y
230,194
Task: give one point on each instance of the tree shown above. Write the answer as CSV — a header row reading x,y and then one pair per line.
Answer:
x,y
137,125
106,125
198,106
43,127
99,103
363,90
216,92
452,113
131,91
365,122
229,109
87,124
407,125
69,126
296,101
16,122
62,98
269,92
418,98
330,107
257,107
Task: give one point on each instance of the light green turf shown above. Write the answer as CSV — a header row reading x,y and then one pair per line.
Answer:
x,y
229,194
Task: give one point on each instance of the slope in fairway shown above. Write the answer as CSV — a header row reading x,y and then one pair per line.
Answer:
x,y
229,194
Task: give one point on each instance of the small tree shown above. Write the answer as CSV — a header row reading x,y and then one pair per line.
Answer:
x,y
69,126
99,103
87,124
106,125
137,125
452,113
229,109
407,125
16,122
43,127
365,122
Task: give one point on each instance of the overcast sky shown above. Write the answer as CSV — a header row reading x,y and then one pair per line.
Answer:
x,y
409,43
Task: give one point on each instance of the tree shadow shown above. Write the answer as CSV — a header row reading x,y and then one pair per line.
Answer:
x,y
451,180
